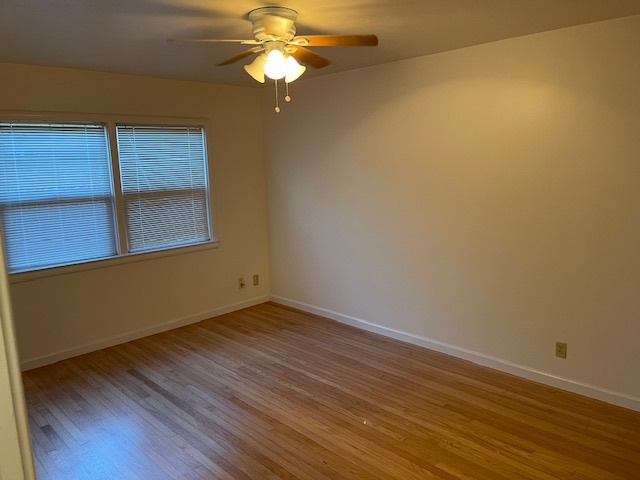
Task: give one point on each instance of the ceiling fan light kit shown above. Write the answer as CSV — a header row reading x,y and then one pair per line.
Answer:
x,y
256,68
279,50
294,70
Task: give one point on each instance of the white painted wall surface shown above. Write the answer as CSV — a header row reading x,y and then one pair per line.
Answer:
x,y
486,198
10,457
16,462
73,313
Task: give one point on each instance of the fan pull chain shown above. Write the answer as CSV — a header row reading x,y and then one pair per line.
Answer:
x,y
287,98
277,109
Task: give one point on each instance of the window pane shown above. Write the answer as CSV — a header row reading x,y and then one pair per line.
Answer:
x,y
57,234
163,174
55,194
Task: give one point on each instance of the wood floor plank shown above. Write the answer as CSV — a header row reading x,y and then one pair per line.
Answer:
x,y
402,437
270,392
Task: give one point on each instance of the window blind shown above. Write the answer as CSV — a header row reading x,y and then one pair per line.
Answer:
x,y
164,187
56,199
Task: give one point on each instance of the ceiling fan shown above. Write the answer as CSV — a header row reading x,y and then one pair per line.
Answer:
x,y
279,50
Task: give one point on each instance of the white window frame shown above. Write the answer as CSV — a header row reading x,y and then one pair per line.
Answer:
x,y
110,121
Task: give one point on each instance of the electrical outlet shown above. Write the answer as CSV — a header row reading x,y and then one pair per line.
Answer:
x,y
256,280
241,283
561,350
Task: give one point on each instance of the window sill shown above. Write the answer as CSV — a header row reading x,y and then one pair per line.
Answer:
x,y
109,262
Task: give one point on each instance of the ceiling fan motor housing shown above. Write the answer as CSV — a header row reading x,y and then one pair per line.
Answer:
x,y
273,23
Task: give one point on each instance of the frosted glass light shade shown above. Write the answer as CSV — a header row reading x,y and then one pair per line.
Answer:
x,y
256,68
276,66
294,70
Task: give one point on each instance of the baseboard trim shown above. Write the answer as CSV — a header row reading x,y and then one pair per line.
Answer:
x,y
591,391
136,334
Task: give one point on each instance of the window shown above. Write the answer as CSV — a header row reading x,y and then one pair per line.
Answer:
x,y
163,186
55,194
59,204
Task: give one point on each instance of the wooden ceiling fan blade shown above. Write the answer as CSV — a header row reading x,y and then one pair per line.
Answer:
x,y
310,58
213,40
244,54
340,40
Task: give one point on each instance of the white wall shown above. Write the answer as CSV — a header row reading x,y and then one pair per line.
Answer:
x,y
10,459
70,313
10,456
16,462
486,198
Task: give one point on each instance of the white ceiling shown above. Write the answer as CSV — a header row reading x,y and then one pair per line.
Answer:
x,y
129,36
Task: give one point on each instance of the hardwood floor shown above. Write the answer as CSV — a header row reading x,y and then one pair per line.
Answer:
x,y
270,392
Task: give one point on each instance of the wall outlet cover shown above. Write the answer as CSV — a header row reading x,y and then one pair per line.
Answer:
x,y
561,350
